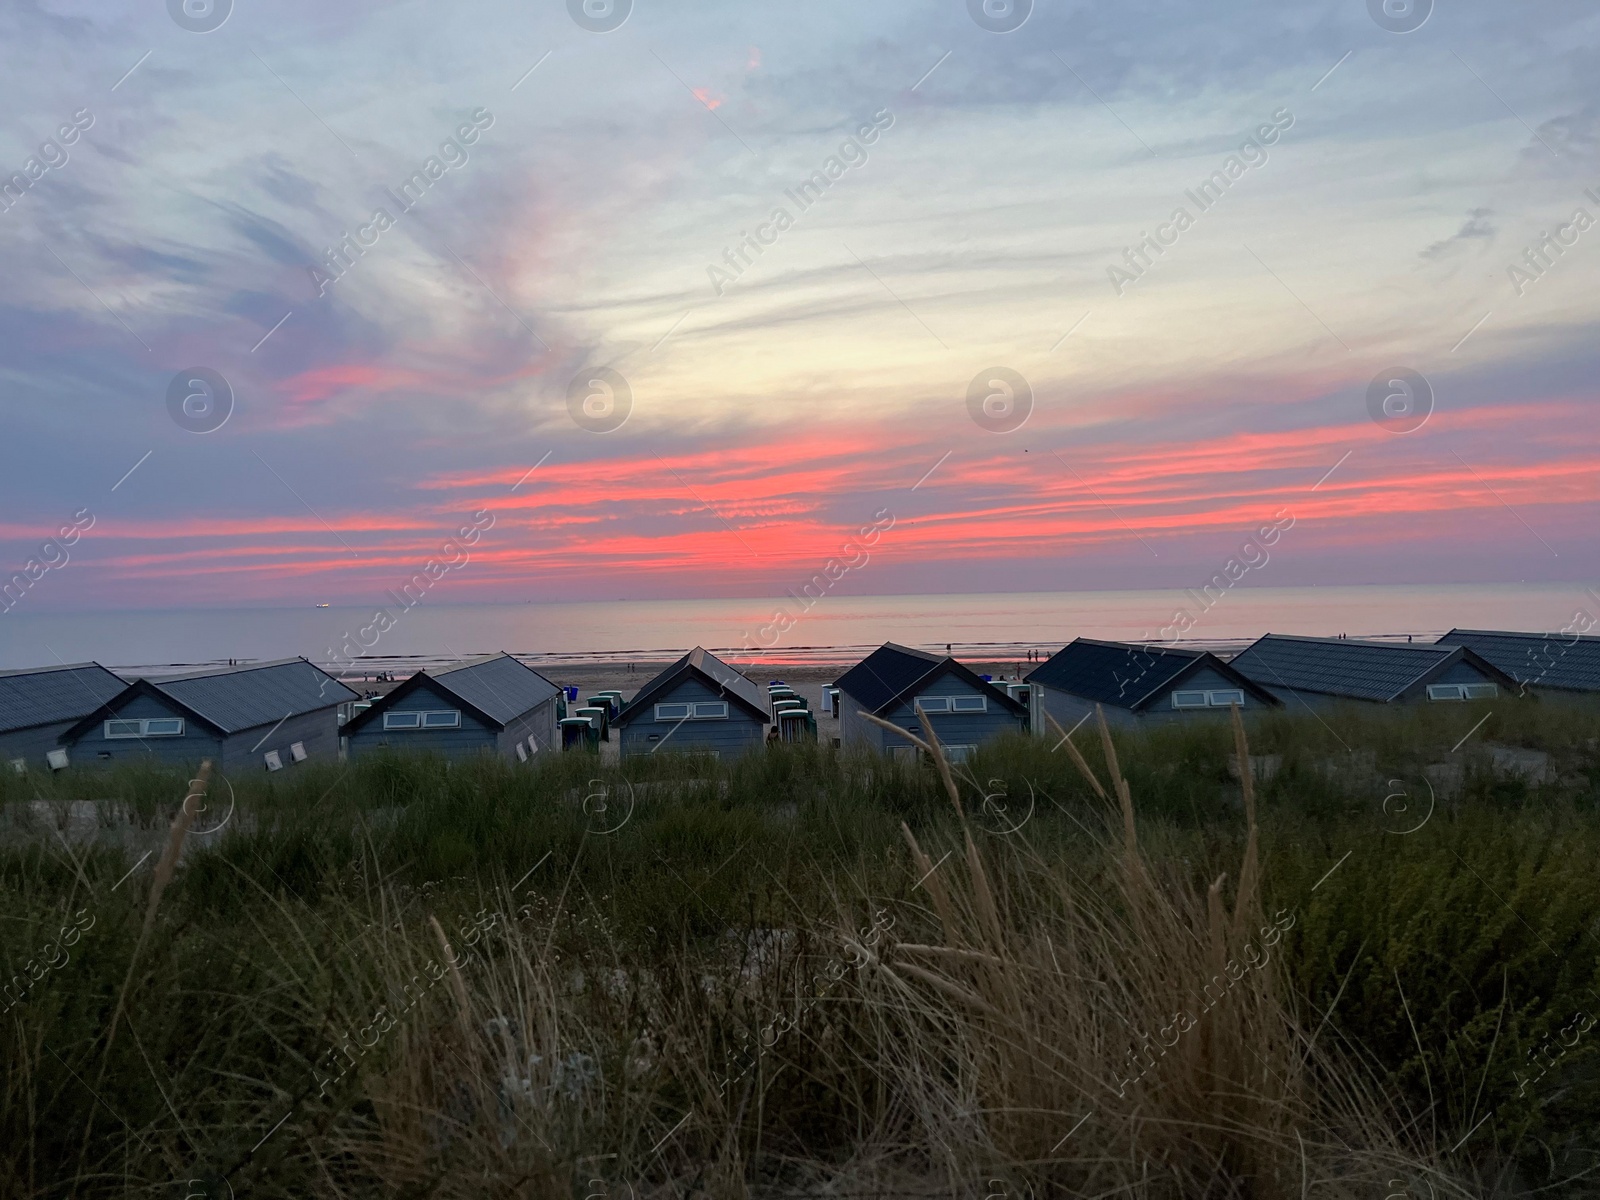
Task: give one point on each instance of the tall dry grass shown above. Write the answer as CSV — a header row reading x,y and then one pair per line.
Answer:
x,y
1022,1031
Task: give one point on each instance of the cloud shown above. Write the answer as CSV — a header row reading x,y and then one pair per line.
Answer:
x,y
1478,227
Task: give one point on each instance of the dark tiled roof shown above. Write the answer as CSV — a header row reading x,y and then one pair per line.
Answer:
x,y
50,694
1113,672
1129,675
1566,662
888,672
713,671
1339,667
891,673
498,686
236,698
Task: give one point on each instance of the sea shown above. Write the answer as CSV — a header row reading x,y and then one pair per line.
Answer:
x,y
835,629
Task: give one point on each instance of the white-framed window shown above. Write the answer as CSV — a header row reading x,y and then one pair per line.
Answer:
x,y
57,759
297,751
19,765
969,704
696,710
932,704
129,727
522,752
1215,698
959,754
273,760
1462,691
444,718
533,745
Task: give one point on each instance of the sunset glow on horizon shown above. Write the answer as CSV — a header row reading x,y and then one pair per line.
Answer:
x,y
954,202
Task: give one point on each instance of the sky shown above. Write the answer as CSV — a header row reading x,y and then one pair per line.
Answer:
x,y
568,316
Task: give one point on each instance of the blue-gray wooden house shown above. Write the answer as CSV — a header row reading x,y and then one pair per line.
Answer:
x,y
1561,664
38,706
1137,684
1319,672
491,705
889,683
265,716
698,705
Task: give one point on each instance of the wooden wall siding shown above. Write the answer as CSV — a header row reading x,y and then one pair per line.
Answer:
x,y
318,731
196,743
957,729
1460,672
538,723
1068,710
855,732
32,744
473,737
737,735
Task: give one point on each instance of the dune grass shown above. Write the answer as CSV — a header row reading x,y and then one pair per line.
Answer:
x,y
805,972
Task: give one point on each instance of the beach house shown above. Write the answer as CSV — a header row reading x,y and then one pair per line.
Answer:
x,y
698,705
489,705
1137,684
1318,672
891,682
265,716
1558,664
38,706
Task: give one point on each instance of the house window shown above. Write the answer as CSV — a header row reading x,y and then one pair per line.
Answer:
x,y
57,759
522,752
699,710
439,719
1462,691
273,761
959,754
969,704
297,751
1220,698
933,704
19,765
145,727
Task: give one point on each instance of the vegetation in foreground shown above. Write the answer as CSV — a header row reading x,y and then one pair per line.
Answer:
x,y
1371,974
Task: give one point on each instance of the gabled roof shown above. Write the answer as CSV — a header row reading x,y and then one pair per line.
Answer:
x,y
1565,662
1380,671
497,685
231,699
1131,676
496,689
891,673
700,664
46,695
